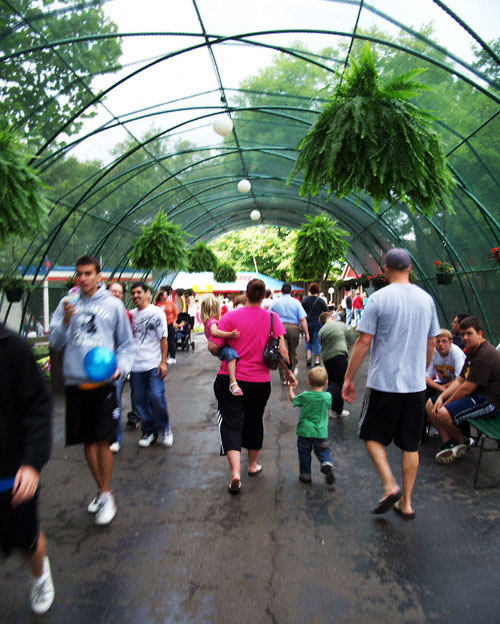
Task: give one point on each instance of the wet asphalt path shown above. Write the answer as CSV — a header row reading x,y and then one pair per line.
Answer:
x,y
182,550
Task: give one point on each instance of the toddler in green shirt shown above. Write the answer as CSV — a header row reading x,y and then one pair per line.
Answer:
x,y
312,428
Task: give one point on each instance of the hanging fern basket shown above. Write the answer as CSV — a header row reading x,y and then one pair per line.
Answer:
x,y
444,279
370,138
160,246
14,295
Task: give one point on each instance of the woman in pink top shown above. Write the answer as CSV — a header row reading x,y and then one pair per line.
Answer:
x,y
241,417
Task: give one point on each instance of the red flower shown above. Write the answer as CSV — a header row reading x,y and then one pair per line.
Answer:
x,y
494,250
437,262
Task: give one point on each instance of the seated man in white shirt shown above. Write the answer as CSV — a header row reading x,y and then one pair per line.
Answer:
x,y
446,365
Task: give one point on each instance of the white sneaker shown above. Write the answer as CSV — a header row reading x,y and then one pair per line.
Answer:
x,y
115,447
94,504
42,591
342,414
170,360
296,371
168,438
148,439
106,511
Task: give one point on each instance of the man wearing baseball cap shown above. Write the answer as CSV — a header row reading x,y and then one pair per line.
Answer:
x,y
399,324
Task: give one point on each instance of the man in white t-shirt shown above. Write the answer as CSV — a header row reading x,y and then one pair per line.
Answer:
x,y
399,323
447,362
149,369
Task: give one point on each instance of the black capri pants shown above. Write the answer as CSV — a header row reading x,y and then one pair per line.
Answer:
x,y
241,419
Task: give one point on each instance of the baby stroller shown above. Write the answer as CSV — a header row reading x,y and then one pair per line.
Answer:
x,y
183,333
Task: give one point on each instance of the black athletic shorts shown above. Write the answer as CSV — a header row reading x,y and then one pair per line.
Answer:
x,y
90,414
388,416
18,525
241,418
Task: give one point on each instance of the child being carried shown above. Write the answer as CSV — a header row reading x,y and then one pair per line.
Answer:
x,y
210,317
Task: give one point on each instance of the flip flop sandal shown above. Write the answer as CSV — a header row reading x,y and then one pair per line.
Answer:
x,y
258,471
386,503
234,487
237,392
406,516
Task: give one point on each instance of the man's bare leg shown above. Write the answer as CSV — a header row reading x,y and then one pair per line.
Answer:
x,y
409,468
377,453
100,461
35,560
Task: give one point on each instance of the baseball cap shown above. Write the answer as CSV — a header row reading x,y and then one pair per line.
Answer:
x,y
397,259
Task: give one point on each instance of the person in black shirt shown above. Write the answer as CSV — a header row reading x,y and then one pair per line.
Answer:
x,y
314,306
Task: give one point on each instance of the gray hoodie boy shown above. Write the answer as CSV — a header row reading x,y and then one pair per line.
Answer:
x,y
99,321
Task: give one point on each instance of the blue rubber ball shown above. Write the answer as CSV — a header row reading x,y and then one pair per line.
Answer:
x,y
99,363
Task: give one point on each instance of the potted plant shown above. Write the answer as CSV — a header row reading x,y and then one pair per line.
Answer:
x,y
13,286
224,273
444,272
23,204
363,280
495,254
160,246
379,280
370,137
201,258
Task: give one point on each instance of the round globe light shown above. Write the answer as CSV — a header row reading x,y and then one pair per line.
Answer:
x,y
244,186
223,125
255,215
262,229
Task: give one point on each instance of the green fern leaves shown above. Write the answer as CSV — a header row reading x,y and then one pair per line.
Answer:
x,y
201,258
23,205
371,138
160,246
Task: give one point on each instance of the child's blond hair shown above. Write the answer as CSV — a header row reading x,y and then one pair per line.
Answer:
x,y
209,308
317,377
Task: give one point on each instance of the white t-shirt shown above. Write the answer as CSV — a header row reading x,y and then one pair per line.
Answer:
x,y
400,317
149,327
446,368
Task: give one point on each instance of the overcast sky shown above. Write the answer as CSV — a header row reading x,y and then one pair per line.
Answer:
x,y
192,72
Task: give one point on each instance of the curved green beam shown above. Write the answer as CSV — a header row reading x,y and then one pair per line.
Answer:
x,y
242,38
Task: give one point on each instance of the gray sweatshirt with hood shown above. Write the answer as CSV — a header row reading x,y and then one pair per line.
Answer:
x,y
99,321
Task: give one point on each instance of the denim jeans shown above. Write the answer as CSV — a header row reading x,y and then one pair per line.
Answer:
x,y
321,450
357,316
348,316
313,344
148,397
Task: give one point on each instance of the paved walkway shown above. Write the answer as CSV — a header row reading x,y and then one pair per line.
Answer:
x,y
182,550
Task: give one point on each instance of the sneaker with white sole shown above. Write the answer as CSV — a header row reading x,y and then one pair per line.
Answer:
x,y
460,449
445,455
327,470
148,439
42,591
115,447
94,504
342,414
171,360
168,438
106,511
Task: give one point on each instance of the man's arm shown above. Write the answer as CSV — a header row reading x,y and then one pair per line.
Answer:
x,y
430,383
305,328
361,348
162,367
431,343
290,377
458,389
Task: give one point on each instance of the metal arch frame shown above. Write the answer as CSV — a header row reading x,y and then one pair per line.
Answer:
x,y
376,40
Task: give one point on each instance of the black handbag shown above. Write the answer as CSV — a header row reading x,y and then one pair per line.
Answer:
x,y
272,351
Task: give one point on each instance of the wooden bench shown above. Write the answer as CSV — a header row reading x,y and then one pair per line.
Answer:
x,y
487,428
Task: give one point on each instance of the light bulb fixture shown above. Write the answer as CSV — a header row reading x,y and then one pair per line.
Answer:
x,y
255,215
223,125
244,186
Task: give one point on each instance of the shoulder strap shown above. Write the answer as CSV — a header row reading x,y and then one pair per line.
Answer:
x,y
271,330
